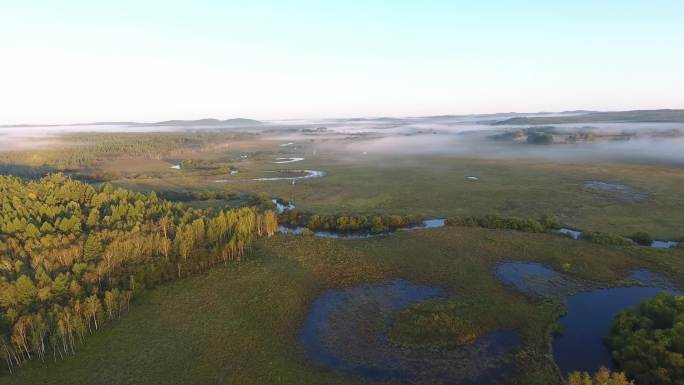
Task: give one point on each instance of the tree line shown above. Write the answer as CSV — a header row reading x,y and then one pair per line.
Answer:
x,y
544,224
73,256
86,149
344,222
548,224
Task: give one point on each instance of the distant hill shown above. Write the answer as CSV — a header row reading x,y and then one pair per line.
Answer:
x,y
209,122
638,116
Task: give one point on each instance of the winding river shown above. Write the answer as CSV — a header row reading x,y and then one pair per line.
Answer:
x,y
281,207
303,174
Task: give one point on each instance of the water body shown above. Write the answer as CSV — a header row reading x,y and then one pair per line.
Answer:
x,y
281,206
363,234
589,311
347,330
302,174
574,234
664,244
588,321
537,280
287,160
645,277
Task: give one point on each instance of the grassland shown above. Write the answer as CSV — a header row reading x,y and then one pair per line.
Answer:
x,y
434,186
239,324
437,187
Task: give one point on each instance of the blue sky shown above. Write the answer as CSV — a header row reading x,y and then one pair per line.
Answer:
x,y
65,61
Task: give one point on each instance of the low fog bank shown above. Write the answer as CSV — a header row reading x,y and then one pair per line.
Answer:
x,y
477,145
469,137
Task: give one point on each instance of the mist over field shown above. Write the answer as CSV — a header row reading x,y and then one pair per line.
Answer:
x,y
341,193
456,136
475,145
636,142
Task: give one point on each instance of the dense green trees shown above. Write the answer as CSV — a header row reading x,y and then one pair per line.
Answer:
x,y
648,341
371,223
72,256
605,239
85,149
642,238
544,224
602,377
539,138
497,222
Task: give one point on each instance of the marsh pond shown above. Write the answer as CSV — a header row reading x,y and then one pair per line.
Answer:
x,y
347,330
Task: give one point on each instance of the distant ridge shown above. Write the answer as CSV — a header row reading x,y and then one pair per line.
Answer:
x,y
636,116
209,122
502,115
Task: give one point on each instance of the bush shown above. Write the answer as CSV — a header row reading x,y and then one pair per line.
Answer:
x,y
497,222
539,138
602,377
434,324
307,232
557,330
642,238
374,224
647,341
605,238
550,222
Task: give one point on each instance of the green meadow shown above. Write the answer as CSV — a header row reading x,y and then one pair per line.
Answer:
x,y
239,324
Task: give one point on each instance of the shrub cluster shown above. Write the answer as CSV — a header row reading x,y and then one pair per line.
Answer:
x,y
371,223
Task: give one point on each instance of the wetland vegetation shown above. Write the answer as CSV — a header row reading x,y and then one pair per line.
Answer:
x,y
187,285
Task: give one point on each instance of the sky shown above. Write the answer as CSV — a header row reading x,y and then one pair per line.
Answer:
x,y
64,61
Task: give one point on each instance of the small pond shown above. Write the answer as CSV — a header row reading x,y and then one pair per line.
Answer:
x,y
347,330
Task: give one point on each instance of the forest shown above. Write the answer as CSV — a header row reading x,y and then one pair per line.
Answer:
x,y
73,256
85,149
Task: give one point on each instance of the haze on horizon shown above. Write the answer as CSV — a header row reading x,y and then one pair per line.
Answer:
x,y
79,61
